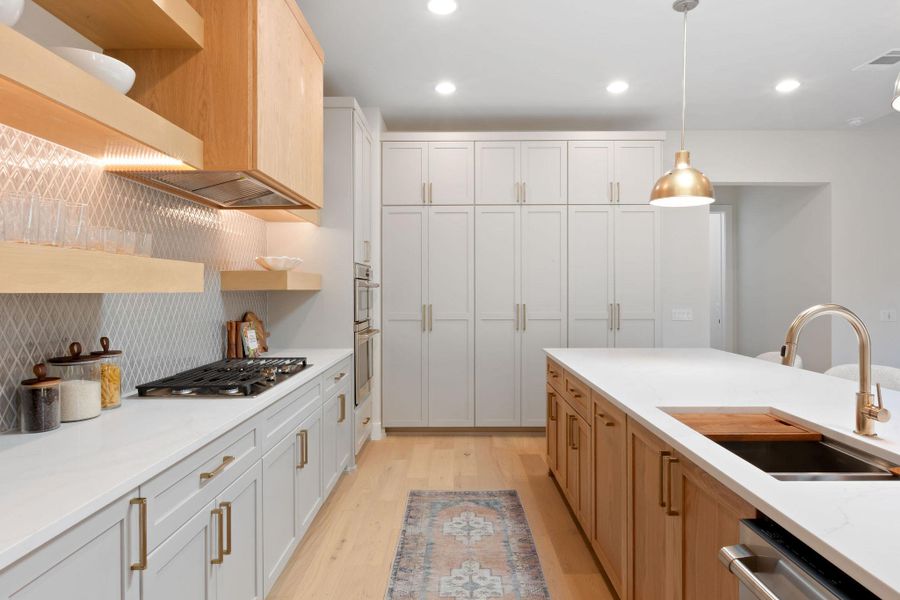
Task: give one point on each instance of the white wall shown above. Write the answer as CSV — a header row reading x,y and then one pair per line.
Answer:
x,y
684,244
861,167
783,266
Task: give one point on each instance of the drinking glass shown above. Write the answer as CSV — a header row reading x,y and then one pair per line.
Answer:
x,y
111,237
145,244
127,242
95,237
52,221
76,227
20,217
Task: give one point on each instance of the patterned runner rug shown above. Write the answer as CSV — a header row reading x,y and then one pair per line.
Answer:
x,y
466,545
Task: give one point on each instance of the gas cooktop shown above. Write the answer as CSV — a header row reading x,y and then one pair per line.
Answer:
x,y
229,377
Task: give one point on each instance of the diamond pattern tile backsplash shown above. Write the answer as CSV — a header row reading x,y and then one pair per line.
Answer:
x,y
159,333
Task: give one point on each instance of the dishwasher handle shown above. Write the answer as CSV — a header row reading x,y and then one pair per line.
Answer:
x,y
739,560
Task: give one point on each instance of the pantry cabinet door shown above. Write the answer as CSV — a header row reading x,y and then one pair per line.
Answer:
x,y
180,568
451,318
404,173
638,166
281,526
91,561
451,173
497,172
240,576
404,347
497,300
544,322
591,267
544,173
362,192
591,173
637,276
308,473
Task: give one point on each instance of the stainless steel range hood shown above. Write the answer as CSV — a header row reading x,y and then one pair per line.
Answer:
x,y
222,189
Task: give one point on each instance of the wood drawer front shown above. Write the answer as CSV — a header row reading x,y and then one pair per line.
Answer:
x,y
555,375
176,494
578,395
282,418
336,376
602,407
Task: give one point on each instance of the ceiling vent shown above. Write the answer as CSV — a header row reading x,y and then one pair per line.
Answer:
x,y
884,62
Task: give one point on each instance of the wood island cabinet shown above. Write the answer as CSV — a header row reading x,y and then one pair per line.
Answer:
x,y
608,536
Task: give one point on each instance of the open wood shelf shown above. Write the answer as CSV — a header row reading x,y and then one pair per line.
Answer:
x,y
33,269
132,24
270,281
47,96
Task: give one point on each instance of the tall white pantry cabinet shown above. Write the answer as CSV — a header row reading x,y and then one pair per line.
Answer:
x,y
498,245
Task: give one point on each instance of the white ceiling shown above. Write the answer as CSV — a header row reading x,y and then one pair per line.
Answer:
x,y
545,64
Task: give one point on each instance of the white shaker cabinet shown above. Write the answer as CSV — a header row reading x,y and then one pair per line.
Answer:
x,y
637,167
521,172
309,489
336,434
362,191
614,276
282,530
181,566
428,173
240,575
544,173
91,561
451,173
404,167
607,172
521,303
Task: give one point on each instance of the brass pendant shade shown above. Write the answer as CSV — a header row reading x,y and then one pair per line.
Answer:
x,y
896,103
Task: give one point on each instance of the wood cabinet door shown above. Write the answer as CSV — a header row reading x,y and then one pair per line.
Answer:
x,y
637,276
591,173
404,339
240,576
710,517
637,166
544,173
281,527
91,561
404,173
552,429
610,490
497,299
181,567
544,305
651,570
572,455
451,173
591,284
308,473
289,73
583,441
451,316
497,172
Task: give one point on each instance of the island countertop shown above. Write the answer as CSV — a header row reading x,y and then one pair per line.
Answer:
x,y
855,524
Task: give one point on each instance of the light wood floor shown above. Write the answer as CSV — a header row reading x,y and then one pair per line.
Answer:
x,y
348,551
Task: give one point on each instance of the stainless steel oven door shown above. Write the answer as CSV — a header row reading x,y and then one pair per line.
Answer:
x,y
365,363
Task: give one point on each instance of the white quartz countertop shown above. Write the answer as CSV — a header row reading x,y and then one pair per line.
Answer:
x,y
52,481
855,525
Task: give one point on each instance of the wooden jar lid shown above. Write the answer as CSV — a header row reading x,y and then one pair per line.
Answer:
x,y
40,378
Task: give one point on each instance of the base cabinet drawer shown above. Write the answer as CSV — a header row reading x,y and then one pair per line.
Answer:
x,y
283,417
91,561
363,425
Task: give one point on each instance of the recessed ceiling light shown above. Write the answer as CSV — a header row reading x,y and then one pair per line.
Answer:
x,y
786,86
617,87
445,88
442,7
855,121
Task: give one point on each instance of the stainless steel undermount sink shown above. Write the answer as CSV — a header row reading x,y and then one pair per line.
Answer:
x,y
826,460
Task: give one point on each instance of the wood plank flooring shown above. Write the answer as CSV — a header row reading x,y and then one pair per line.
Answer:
x,y
348,551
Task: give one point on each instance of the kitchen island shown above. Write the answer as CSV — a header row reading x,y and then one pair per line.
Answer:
x,y
853,524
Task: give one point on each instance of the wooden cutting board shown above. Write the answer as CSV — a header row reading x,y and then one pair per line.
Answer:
x,y
746,427
257,324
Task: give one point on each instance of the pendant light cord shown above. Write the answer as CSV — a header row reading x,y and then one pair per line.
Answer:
x,y
684,81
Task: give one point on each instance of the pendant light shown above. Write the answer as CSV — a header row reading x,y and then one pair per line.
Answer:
x,y
896,103
683,185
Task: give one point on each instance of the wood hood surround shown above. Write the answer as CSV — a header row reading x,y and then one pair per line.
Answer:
x,y
253,94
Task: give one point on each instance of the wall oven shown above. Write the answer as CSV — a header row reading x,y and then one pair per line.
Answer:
x,y
364,290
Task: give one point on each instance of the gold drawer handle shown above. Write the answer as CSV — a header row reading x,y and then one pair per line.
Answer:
x,y
227,507
343,415
366,420
220,528
303,437
662,459
141,503
340,376
669,460
226,460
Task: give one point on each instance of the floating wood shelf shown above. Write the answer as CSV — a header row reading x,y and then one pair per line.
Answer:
x,y
270,281
47,96
132,24
305,215
32,269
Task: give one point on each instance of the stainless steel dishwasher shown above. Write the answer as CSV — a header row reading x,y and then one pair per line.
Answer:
x,y
772,564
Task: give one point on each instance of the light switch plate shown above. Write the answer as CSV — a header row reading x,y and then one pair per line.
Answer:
x,y
889,315
682,314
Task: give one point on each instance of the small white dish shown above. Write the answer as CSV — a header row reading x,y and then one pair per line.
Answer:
x,y
11,11
107,69
278,263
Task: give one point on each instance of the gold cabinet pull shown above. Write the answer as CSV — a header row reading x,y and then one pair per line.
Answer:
x,y
226,460
141,564
343,414
227,507
618,317
606,421
424,321
220,528
618,192
612,194
431,317
524,318
669,460
574,432
366,420
303,437
430,192
424,193
524,192
662,456
340,376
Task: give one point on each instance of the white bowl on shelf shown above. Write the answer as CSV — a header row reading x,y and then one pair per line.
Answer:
x,y
107,69
11,11
278,263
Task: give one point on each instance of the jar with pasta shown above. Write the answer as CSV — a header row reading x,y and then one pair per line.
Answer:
x,y
110,375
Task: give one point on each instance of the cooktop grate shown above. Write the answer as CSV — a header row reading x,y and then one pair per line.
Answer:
x,y
230,377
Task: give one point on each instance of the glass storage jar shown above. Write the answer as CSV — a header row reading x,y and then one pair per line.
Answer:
x,y
39,402
79,392
110,375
